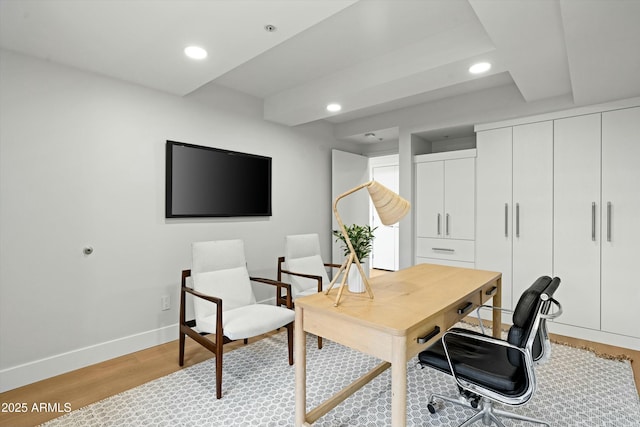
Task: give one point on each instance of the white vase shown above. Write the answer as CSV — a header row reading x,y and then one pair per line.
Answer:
x,y
354,280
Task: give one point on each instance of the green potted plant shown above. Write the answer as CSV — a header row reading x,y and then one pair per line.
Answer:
x,y
361,237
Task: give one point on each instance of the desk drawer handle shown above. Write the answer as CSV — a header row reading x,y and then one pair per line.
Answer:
x,y
424,339
466,308
443,249
491,291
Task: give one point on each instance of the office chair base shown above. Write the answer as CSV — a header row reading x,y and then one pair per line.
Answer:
x,y
486,412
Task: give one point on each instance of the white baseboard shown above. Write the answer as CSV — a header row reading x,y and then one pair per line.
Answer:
x,y
594,335
18,376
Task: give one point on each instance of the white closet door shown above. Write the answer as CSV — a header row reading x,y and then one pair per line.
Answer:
x,y
532,204
385,252
621,221
459,198
577,219
429,199
493,206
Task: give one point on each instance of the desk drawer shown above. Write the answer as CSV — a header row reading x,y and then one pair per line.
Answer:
x,y
488,291
462,309
429,331
449,249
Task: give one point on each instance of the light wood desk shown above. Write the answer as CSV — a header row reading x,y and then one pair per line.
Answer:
x,y
420,301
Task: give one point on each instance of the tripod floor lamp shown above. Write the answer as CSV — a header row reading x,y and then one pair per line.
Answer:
x,y
391,208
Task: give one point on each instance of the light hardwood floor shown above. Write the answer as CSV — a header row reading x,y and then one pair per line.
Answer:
x,y
97,382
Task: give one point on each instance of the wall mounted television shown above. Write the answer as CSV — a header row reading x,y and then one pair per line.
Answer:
x,y
211,182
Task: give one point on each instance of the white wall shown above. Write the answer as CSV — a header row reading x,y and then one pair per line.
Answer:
x,y
82,162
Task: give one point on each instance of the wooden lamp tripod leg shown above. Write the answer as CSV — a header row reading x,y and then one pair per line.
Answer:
x,y
335,278
349,261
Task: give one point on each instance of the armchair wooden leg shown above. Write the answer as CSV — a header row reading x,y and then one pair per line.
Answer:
x,y
290,341
319,343
219,341
181,351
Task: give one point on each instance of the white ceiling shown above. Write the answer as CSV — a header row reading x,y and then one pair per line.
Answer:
x,y
371,56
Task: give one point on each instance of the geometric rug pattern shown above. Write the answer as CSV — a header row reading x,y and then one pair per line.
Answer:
x,y
575,388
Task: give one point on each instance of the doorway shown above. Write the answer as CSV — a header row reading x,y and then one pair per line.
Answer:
x,y
385,254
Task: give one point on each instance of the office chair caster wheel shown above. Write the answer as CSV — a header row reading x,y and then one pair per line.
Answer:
x,y
432,407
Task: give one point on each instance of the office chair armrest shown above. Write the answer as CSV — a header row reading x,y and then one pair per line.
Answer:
x,y
557,313
483,391
279,286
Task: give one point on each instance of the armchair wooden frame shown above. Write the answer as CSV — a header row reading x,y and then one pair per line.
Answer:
x,y
280,300
220,339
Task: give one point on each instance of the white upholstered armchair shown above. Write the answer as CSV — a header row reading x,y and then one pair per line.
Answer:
x,y
304,266
224,303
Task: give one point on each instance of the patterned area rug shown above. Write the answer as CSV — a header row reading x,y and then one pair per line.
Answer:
x,y
575,388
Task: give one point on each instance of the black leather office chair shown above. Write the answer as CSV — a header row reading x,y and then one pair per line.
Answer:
x,y
489,370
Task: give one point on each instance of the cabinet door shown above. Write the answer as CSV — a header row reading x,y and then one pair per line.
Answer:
x,y
493,207
621,221
459,198
532,204
429,199
576,218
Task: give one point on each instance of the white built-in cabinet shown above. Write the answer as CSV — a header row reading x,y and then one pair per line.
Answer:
x,y
445,208
621,221
577,216
514,205
561,196
594,196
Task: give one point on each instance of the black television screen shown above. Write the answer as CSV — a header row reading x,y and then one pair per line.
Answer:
x,y
210,182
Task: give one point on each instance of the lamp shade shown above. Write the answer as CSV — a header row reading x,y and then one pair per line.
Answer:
x,y
390,206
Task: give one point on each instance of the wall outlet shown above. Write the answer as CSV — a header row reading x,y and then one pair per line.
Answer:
x,y
165,302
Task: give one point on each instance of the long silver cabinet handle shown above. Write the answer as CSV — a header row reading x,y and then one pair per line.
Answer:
x,y
446,227
438,224
506,220
443,249
608,221
517,219
593,221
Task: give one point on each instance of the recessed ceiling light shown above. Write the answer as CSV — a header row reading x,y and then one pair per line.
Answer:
x,y
333,108
270,28
480,67
371,137
195,52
